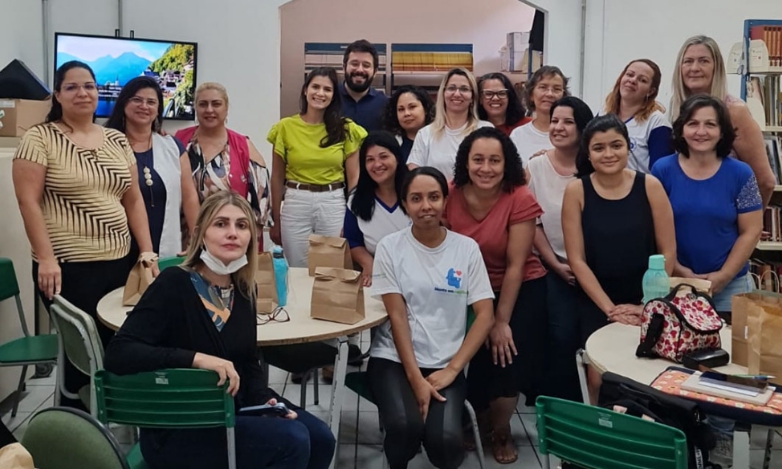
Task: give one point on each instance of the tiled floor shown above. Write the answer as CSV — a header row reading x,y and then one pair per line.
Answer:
x,y
360,438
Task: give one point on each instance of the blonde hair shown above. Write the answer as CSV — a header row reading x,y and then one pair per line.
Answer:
x,y
244,278
614,98
439,122
211,85
719,86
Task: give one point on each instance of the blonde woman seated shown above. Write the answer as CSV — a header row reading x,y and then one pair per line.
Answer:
x,y
202,315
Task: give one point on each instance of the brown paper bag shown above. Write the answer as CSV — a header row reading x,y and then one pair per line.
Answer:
x,y
265,287
337,295
139,279
764,328
739,345
703,286
328,252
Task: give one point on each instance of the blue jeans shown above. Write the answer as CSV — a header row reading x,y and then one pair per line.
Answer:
x,y
736,286
261,443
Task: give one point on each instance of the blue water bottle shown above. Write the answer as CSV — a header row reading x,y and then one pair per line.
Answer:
x,y
280,275
656,283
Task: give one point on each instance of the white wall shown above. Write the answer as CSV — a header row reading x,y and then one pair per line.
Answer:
x,y
627,30
409,21
21,36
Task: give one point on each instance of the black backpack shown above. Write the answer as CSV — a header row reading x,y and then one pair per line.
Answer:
x,y
640,399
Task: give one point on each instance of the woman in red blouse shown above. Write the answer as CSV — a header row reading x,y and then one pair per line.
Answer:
x,y
491,204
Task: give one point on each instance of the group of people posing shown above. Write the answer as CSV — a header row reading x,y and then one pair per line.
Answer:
x,y
499,232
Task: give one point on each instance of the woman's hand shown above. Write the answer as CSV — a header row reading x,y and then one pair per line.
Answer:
x,y
291,415
224,368
503,349
424,391
563,270
718,281
441,379
275,234
627,314
49,278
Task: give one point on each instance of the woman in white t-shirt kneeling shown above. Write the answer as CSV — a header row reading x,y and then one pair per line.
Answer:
x,y
456,116
427,276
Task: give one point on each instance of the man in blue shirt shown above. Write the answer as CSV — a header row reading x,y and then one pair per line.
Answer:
x,y
361,103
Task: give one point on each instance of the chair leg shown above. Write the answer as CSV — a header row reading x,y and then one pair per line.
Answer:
x,y
476,433
19,391
303,396
315,386
581,365
231,436
546,460
767,452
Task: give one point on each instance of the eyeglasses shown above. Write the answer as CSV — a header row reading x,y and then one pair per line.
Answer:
x,y
550,89
138,101
278,315
491,94
74,87
460,89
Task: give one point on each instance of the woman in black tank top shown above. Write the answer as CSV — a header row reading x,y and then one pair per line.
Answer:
x,y
613,219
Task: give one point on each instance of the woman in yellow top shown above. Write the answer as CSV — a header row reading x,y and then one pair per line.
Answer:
x,y
77,187
314,157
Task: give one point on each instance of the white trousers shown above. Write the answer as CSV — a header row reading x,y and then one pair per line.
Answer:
x,y
304,213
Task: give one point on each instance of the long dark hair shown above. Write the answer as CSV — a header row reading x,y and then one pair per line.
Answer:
x,y
117,119
390,118
515,111
335,123
688,108
422,171
55,113
598,124
363,203
513,175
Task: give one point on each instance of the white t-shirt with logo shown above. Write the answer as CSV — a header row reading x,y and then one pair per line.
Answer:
x,y
651,135
437,285
529,140
439,152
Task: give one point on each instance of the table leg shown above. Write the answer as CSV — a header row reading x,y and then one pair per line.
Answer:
x,y
338,392
740,450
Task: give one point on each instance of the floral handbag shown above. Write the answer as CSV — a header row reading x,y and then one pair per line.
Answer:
x,y
678,324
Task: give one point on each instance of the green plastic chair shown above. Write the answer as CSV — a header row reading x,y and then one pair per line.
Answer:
x,y
358,382
80,343
29,349
65,438
163,264
176,398
597,438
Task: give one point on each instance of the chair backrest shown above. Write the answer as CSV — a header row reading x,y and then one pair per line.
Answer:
x,y
163,264
78,336
65,438
175,398
601,439
9,288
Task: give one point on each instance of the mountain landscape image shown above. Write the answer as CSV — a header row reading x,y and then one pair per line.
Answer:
x,y
115,61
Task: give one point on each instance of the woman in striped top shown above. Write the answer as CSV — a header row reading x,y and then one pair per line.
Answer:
x,y
76,184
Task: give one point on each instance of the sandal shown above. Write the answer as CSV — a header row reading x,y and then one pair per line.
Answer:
x,y
502,446
468,440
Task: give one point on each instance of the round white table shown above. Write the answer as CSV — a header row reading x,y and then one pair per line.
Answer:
x,y
300,329
612,348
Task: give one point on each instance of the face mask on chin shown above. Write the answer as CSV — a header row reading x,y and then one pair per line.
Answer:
x,y
217,266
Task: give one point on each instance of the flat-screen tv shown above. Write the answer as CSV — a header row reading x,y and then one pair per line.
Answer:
x,y
117,60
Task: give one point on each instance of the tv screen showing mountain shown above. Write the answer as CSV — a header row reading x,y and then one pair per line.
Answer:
x,y
116,60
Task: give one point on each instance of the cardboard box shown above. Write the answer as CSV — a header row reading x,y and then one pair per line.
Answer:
x,y
18,115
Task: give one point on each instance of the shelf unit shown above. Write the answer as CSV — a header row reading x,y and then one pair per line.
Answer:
x,y
427,63
330,54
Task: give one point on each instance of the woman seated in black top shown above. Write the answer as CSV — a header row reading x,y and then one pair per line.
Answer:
x,y
202,315
613,219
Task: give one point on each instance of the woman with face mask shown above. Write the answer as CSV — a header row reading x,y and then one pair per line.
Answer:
x,y
202,315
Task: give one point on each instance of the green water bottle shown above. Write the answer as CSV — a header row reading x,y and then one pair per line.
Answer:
x,y
655,282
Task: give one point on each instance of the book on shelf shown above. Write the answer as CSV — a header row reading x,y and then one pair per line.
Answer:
x,y
773,152
768,272
764,99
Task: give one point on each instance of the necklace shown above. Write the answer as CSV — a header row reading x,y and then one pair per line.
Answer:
x,y
147,171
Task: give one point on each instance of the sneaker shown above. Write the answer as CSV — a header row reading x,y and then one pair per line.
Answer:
x,y
722,453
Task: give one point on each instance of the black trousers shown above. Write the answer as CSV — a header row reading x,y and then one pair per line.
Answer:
x,y
84,284
441,433
6,437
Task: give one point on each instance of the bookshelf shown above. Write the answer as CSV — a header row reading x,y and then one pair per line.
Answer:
x,y
425,64
758,59
330,54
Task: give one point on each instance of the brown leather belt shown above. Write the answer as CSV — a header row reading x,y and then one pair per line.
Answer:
x,y
315,187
